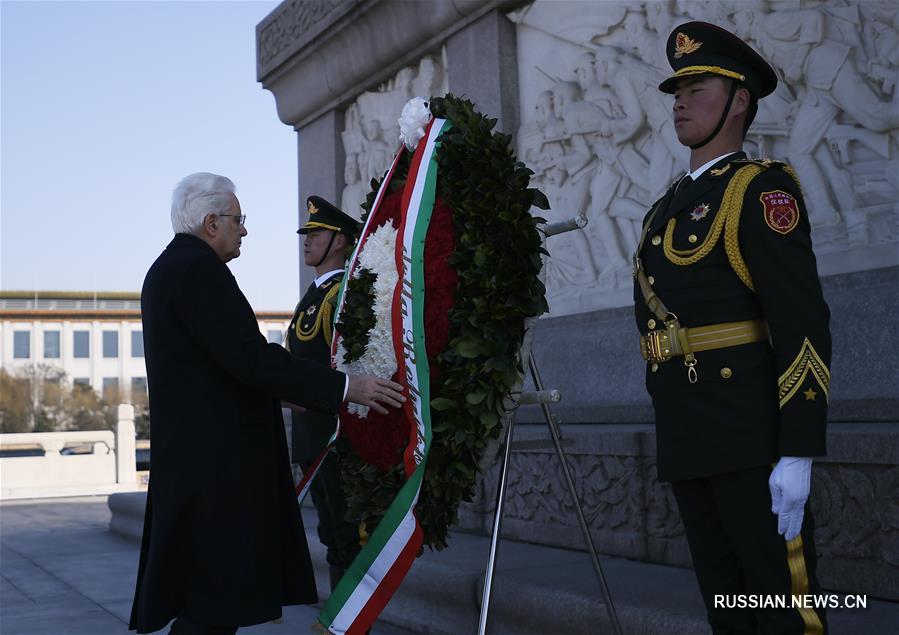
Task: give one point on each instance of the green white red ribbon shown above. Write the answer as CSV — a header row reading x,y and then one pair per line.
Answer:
x,y
309,475
380,567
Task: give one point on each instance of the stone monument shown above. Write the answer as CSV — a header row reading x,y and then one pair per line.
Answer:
x,y
576,83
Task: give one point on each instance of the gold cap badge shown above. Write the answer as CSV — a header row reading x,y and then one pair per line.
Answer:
x,y
312,208
683,45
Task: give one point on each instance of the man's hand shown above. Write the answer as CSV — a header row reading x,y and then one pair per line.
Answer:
x,y
789,483
371,391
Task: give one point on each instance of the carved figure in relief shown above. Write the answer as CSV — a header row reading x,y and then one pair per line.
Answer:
x,y
371,133
835,117
569,179
616,143
356,189
428,80
665,154
376,153
588,123
659,18
550,124
817,50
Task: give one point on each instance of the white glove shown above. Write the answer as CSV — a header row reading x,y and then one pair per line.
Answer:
x,y
789,483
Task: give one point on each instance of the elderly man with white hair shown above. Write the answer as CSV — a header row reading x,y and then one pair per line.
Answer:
x,y
223,541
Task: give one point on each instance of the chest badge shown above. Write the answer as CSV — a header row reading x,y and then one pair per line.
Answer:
x,y
700,211
310,310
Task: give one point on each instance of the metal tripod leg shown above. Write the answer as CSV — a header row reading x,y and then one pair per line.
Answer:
x,y
557,442
500,501
497,526
543,397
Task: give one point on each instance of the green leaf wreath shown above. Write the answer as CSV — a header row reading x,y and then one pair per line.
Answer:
x,y
497,259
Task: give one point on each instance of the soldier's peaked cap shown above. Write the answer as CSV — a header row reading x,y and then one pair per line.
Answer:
x,y
323,215
700,48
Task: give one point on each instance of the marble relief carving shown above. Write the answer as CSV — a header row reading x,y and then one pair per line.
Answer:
x,y
617,493
855,509
371,133
599,137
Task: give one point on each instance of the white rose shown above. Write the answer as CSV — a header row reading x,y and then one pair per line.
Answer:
x,y
412,121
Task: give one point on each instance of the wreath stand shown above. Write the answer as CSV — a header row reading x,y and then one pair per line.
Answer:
x,y
543,397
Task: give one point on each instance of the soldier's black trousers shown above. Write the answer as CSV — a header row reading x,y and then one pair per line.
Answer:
x,y
340,536
740,559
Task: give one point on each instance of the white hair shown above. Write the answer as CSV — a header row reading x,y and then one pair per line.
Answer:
x,y
196,196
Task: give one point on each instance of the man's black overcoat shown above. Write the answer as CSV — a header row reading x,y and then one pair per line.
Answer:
x,y
223,541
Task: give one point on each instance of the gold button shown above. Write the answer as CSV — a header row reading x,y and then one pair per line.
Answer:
x,y
654,367
651,324
692,238
656,240
651,280
726,372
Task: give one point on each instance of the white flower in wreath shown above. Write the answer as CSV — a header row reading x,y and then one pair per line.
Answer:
x,y
378,255
412,121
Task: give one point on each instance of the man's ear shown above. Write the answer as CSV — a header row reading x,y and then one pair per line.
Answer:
x,y
741,101
210,224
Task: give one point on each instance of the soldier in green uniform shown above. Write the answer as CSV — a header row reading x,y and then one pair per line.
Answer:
x,y
329,235
736,339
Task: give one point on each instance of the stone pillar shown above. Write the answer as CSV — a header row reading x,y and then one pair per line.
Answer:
x,y
483,66
126,467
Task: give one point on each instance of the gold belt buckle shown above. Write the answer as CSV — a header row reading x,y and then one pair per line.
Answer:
x,y
656,346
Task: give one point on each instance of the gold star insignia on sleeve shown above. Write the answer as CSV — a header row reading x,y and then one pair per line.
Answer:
x,y
810,394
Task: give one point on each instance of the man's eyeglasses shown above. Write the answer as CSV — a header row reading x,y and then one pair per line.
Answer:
x,y
241,218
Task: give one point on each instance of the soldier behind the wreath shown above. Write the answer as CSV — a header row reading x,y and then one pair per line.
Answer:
x,y
329,235
736,340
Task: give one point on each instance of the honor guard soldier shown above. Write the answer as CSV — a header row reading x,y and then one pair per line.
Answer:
x,y
329,235
736,340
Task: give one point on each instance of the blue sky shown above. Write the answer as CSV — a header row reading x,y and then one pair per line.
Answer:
x,y
104,106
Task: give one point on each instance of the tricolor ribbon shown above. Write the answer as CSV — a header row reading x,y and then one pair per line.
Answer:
x,y
310,474
378,570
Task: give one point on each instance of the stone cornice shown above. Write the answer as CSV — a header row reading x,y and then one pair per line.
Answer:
x,y
292,25
316,55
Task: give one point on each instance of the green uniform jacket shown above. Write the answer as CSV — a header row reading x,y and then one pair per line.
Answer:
x,y
309,338
735,245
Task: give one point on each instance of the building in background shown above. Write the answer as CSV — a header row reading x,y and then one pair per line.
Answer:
x,y
95,338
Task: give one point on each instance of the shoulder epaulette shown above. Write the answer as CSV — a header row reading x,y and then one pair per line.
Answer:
x,y
766,164
763,163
